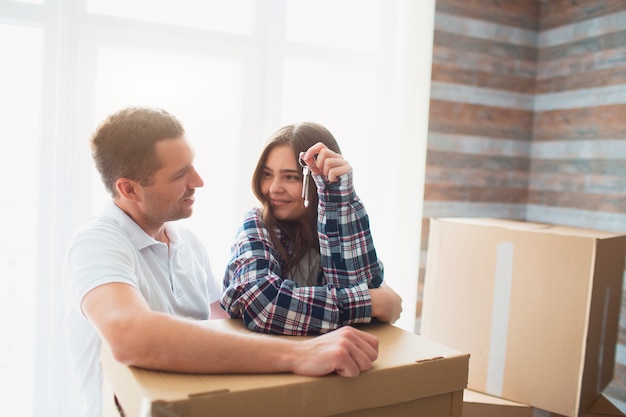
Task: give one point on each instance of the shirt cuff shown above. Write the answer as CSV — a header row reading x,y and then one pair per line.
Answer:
x,y
355,304
335,192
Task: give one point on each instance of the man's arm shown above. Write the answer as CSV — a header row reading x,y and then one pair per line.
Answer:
x,y
141,337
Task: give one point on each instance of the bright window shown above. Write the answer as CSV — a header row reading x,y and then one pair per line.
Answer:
x,y
346,24
20,105
232,16
205,93
340,96
233,72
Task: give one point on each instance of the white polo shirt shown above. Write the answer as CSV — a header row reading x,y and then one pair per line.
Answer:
x,y
113,248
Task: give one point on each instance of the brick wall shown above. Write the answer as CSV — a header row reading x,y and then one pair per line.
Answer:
x,y
528,118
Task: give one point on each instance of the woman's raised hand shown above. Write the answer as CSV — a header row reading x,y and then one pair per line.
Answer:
x,y
323,161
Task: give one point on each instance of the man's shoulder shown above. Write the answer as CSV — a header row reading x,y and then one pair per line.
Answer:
x,y
111,218
99,224
110,227
97,234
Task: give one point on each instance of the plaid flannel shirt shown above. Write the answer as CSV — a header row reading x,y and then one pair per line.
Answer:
x,y
255,287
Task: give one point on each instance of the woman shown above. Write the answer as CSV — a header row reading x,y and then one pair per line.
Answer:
x,y
305,270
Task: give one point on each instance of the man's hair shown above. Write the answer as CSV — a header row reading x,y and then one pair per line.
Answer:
x,y
124,145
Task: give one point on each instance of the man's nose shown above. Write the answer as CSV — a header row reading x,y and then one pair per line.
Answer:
x,y
196,181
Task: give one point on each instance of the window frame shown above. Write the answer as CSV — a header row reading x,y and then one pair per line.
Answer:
x,y
71,38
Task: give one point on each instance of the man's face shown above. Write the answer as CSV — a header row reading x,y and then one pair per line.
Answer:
x,y
171,196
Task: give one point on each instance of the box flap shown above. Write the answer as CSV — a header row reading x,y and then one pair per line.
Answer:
x,y
474,397
533,227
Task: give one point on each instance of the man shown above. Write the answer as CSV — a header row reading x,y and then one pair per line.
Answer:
x,y
142,283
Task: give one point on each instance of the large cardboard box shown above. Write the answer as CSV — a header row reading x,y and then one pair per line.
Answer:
x,y
476,404
536,306
412,376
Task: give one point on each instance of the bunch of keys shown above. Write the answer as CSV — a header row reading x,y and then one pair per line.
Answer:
x,y
305,181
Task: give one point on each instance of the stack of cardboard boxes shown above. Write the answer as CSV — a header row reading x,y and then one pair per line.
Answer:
x,y
537,308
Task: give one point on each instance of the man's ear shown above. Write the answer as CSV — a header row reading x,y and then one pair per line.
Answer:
x,y
128,188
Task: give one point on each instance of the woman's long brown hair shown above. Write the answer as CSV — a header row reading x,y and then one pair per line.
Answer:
x,y
300,137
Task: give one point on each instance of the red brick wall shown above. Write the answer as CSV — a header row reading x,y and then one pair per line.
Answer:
x,y
478,159
578,169
528,117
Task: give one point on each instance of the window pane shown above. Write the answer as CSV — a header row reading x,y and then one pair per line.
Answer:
x,y
344,98
349,24
326,92
205,95
20,103
234,16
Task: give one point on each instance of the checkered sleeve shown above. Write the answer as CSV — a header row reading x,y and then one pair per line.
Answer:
x,y
346,246
255,290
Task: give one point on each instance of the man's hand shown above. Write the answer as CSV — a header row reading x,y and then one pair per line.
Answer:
x,y
144,338
345,351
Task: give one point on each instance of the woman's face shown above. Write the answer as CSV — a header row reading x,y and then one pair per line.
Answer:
x,y
281,184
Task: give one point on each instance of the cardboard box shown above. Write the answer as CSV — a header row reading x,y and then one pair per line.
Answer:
x,y
476,404
536,306
412,376
603,407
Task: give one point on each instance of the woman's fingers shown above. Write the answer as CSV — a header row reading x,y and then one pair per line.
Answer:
x,y
326,162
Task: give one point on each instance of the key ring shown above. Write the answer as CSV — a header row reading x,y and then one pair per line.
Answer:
x,y
301,161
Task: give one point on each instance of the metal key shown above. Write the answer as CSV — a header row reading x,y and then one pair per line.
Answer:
x,y
305,182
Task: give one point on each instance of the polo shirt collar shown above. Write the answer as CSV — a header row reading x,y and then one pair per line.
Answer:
x,y
136,234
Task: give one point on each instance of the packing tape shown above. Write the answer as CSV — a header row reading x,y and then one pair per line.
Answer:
x,y
500,318
146,408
